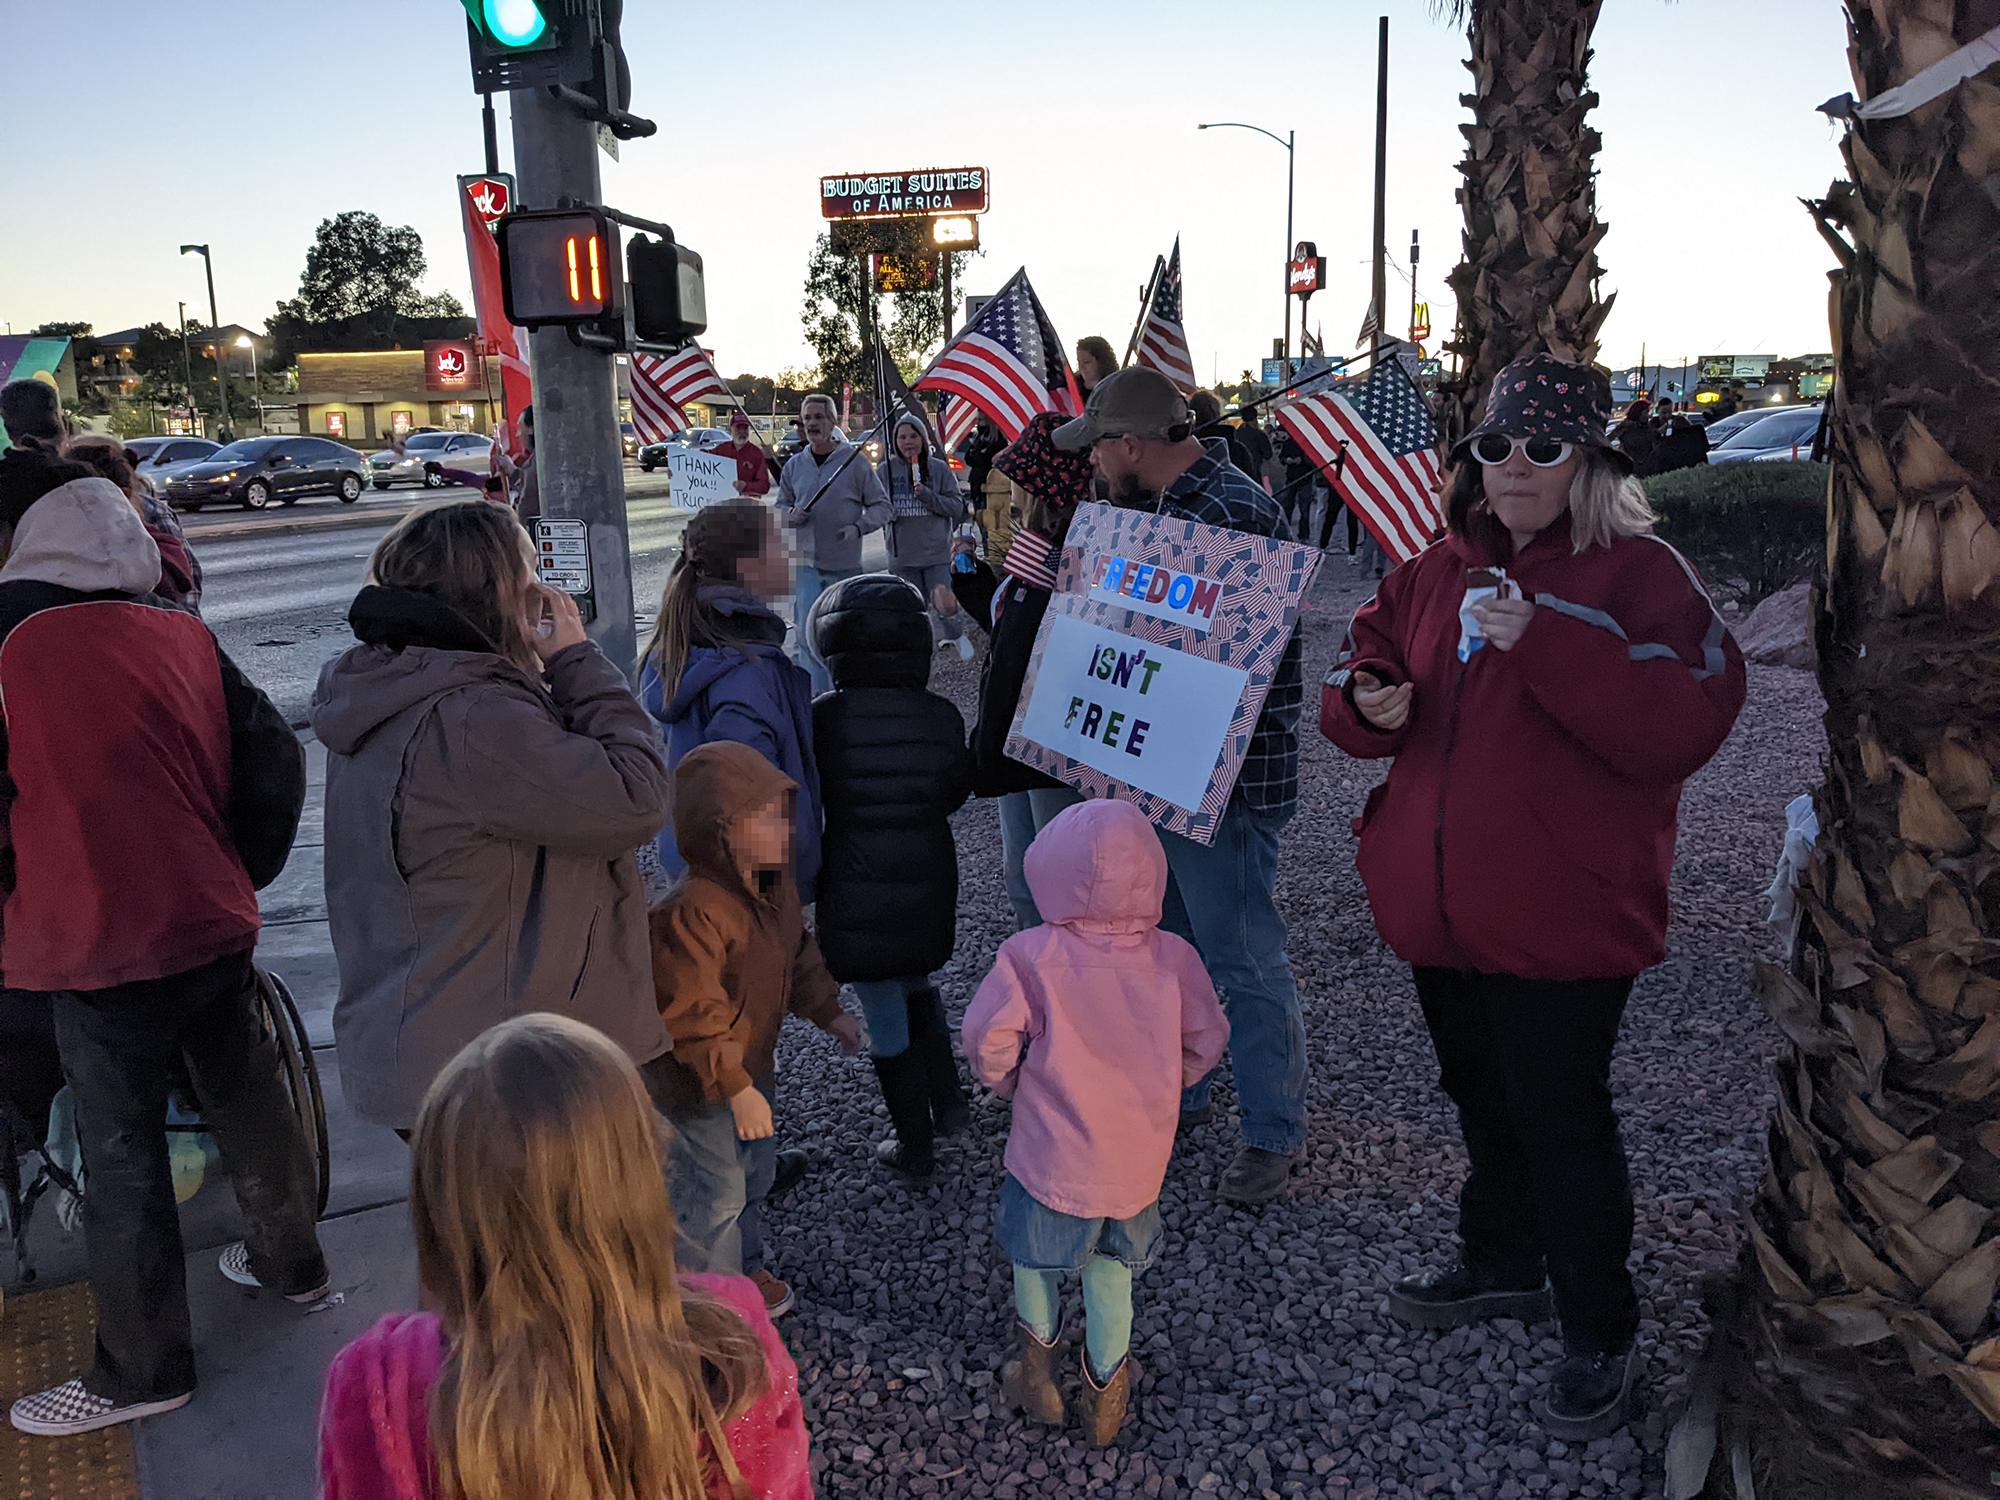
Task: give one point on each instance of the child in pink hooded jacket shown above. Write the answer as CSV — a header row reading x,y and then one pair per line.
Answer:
x,y
1092,1023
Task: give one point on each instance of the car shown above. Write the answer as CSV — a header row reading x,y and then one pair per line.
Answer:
x,y
158,453
1722,429
701,439
628,440
454,450
1782,434
255,471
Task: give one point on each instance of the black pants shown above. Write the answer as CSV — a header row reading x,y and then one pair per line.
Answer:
x,y
122,1050
1528,1063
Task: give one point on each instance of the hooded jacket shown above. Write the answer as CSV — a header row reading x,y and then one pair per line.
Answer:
x,y
1527,825
921,524
820,497
480,830
153,788
731,952
893,768
374,1423
1095,1021
753,694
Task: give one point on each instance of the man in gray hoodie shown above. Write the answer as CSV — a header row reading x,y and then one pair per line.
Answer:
x,y
831,496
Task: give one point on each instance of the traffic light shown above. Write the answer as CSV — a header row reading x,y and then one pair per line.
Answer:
x,y
669,297
559,266
520,44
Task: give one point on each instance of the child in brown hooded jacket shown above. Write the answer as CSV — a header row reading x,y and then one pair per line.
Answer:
x,y
731,956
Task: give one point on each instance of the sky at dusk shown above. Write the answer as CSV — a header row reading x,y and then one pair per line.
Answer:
x,y
244,123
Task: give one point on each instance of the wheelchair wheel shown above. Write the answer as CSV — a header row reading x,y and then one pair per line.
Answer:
x,y
301,1074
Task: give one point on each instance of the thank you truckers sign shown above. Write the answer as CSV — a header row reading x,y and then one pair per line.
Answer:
x,y
1154,658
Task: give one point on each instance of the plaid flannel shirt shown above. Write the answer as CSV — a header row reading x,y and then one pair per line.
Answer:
x,y
1215,492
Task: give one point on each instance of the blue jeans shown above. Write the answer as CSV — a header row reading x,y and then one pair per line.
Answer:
x,y
719,1184
1022,816
812,582
885,1003
924,580
1219,898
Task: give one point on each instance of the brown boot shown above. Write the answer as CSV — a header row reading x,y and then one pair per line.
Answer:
x,y
1102,1409
1028,1379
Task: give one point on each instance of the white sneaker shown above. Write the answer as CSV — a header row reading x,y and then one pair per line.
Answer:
x,y
234,1264
67,1409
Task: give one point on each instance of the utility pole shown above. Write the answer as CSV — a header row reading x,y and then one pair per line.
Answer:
x,y
490,128
215,331
187,365
1381,282
579,463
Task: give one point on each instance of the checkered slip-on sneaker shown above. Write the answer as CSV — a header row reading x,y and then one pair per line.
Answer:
x,y
68,1409
235,1265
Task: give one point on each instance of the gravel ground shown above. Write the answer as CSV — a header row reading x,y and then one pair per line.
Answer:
x,y
1271,1366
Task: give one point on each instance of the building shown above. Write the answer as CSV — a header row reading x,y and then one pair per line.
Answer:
x,y
364,397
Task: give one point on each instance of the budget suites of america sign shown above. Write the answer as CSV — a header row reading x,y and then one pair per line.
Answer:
x,y
893,195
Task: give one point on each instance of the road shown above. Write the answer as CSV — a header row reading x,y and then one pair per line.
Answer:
x,y
277,599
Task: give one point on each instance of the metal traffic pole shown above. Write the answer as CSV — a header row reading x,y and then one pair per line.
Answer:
x,y
579,461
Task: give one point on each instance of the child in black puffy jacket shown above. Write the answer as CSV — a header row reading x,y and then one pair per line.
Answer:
x,y
893,767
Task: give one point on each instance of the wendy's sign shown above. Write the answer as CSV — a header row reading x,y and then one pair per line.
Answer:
x,y
904,195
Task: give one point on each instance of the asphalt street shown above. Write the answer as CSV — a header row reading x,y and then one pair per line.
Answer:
x,y
277,598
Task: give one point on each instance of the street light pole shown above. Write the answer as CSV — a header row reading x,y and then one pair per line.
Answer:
x,y
1287,140
187,366
215,329
256,385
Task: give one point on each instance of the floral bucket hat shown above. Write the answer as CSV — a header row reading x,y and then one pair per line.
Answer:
x,y
1540,396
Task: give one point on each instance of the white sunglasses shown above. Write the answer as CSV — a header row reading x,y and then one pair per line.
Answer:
x,y
1496,448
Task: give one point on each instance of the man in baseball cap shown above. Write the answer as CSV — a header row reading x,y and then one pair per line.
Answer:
x,y
1139,430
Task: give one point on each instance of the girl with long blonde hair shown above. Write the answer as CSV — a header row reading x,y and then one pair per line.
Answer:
x,y
565,1359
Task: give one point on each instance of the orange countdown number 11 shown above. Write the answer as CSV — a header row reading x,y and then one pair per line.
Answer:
x,y
576,273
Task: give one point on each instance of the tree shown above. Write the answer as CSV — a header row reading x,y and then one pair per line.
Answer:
x,y
1855,1351
359,291
836,300
1528,280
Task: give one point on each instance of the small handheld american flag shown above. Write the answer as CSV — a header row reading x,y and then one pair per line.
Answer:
x,y
1008,362
1391,472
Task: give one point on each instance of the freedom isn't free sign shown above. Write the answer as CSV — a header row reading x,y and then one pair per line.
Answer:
x,y
1154,658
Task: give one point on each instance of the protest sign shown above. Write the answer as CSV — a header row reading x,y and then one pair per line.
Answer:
x,y
699,478
1153,661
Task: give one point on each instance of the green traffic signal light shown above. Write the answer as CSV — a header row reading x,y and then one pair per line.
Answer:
x,y
510,23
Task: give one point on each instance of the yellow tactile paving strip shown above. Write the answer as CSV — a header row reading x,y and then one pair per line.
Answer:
x,y
46,1338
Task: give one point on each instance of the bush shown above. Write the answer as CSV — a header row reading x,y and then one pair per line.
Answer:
x,y
1751,528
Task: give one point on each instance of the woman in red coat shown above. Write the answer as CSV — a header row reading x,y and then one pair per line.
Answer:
x,y
1546,677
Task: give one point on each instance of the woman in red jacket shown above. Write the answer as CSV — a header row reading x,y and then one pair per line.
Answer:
x,y
1546,677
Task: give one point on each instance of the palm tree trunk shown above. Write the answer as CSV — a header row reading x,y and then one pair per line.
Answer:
x,y
1855,1350
1528,282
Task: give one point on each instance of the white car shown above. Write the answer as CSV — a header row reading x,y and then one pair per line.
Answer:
x,y
454,450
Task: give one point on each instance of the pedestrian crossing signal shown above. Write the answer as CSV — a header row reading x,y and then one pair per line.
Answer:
x,y
560,267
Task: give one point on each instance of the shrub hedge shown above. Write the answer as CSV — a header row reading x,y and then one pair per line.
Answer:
x,y
1751,528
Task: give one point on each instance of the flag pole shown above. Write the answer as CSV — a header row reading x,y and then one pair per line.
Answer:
x,y
1145,306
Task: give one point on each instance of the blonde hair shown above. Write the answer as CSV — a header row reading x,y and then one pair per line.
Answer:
x,y
471,556
713,547
577,1367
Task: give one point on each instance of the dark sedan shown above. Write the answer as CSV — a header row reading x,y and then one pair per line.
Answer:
x,y
256,471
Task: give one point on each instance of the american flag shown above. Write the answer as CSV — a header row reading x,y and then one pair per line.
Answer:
x,y
1391,473
959,416
663,385
1163,344
1008,361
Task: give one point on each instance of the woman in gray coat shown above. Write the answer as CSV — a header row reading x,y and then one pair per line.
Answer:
x,y
489,776
926,508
